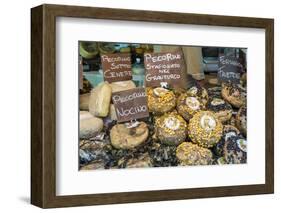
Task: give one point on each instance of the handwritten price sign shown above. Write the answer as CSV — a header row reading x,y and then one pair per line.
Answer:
x,y
130,104
116,67
164,69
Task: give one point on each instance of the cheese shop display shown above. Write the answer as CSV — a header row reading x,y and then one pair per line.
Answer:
x,y
142,106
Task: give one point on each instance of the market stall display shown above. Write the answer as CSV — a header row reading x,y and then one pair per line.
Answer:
x,y
124,124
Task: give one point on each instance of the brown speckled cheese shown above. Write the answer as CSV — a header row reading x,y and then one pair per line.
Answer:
x,y
89,125
241,120
228,131
222,109
234,94
199,92
235,150
191,154
187,106
171,129
123,137
141,161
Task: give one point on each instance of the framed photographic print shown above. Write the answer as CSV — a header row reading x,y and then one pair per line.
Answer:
x,y
136,106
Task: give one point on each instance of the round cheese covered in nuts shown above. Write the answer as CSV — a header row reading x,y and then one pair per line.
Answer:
x,y
234,94
171,129
199,92
187,106
160,100
205,129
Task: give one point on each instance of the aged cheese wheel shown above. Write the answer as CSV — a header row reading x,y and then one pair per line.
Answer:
x,y
241,120
235,150
89,125
205,129
160,100
222,109
100,100
199,92
187,106
124,136
228,132
171,129
190,154
234,94
141,161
